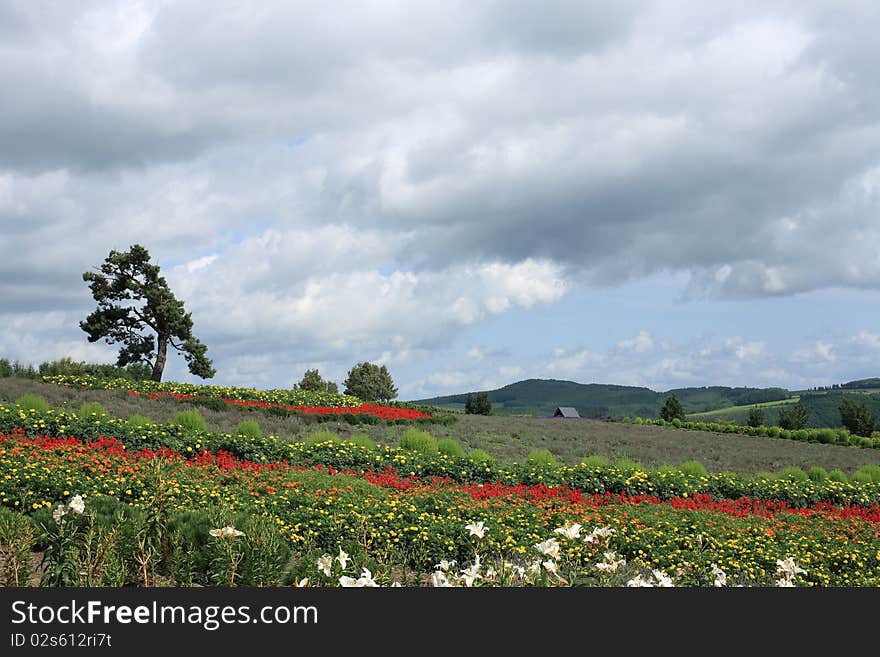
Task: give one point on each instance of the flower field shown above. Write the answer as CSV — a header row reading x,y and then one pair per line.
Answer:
x,y
300,401
153,495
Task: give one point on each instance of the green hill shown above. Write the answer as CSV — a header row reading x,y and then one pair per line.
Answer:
x,y
542,396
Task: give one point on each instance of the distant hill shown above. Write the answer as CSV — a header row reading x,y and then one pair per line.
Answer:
x,y
541,397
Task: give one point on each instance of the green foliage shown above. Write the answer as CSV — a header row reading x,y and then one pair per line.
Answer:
x,y
792,473
672,409
856,417
321,436
481,456
249,428
793,416
757,416
137,309
867,473
418,441
817,474
477,403
191,421
628,465
693,468
362,441
838,476
16,541
541,457
211,403
774,432
68,367
139,421
34,402
88,408
826,436
450,447
312,381
369,382
594,461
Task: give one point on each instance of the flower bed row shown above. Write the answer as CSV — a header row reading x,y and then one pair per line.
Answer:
x,y
662,484
414,526
388,413
824,436
275,396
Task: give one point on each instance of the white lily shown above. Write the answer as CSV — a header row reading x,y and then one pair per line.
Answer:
x,y
549,548
438,579
342,558
347,582
569,531
477,529
719,575
366,579
549,566
325,564
663,580
445,565
639,582
59,513
304,582
788,567
77,504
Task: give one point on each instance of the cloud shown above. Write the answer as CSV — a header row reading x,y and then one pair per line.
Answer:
x,y
641,342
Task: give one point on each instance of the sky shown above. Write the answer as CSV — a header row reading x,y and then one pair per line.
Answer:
x,y
665,194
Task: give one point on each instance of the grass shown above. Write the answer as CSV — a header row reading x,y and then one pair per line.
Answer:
x,y
505,438
718,412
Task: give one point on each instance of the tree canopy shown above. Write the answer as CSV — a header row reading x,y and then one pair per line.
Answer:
x,y
370,382
137,309
672,409
312,381
478,404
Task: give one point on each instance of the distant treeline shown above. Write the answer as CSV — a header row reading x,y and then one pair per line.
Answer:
x,y
134,371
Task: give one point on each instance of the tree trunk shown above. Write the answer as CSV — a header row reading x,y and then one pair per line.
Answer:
x,y
161,354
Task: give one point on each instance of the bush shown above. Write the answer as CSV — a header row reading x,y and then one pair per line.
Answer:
x,y
212,403
321,436
91,407
362,441
764,474
693,468
672,409
139,421
802,435
478,403
793,416
480,456
868,473
541,457
826,436
33,402
450,448
628,464
762,431
191,421
418,441
838,476
594,461
756,416
856,417
249,428
817,474
793,473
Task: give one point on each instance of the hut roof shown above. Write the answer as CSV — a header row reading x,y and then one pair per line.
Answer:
x,y
566,411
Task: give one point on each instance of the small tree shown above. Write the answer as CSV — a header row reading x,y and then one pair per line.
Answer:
x,y
856,417
793,416
370,382
672,409
756,416
478,403
312,381
137,309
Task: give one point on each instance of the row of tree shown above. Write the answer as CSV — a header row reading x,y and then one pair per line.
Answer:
x,y
854,415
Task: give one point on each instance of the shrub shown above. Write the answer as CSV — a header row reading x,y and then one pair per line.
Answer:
x,y
478,403
762,431
764,474
362,441
802,435
91,407
33,402
321,436
756,416
628,464
191,421
480,456
249,428
418,441
817,474
693,468
792,473
826,436
672,409
541,457
450,447
868,473
139,421
594,461
212,403
838,475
